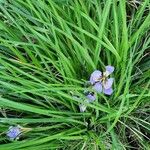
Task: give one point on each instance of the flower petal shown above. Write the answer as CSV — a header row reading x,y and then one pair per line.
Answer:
x,y
95,76
98,87
90,98
109,70
108,91
82,107
108,83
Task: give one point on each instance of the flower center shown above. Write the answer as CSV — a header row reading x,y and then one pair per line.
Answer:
x,y
102,79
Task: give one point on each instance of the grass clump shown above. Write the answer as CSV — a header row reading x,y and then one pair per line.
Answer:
x,y
48,50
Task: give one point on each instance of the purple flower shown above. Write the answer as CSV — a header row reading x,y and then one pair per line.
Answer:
x,y
101,82
90,98
14,132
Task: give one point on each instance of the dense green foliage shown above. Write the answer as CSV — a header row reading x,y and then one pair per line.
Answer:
x,y
48,49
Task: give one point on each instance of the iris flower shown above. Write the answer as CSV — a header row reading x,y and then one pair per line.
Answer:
x,y
14,132
101,82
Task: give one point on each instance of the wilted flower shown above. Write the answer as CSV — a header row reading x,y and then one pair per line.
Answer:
x,y
14,132
90,98
82,107
101,82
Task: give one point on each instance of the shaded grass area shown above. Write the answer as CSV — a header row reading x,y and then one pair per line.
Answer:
x,y
48,49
